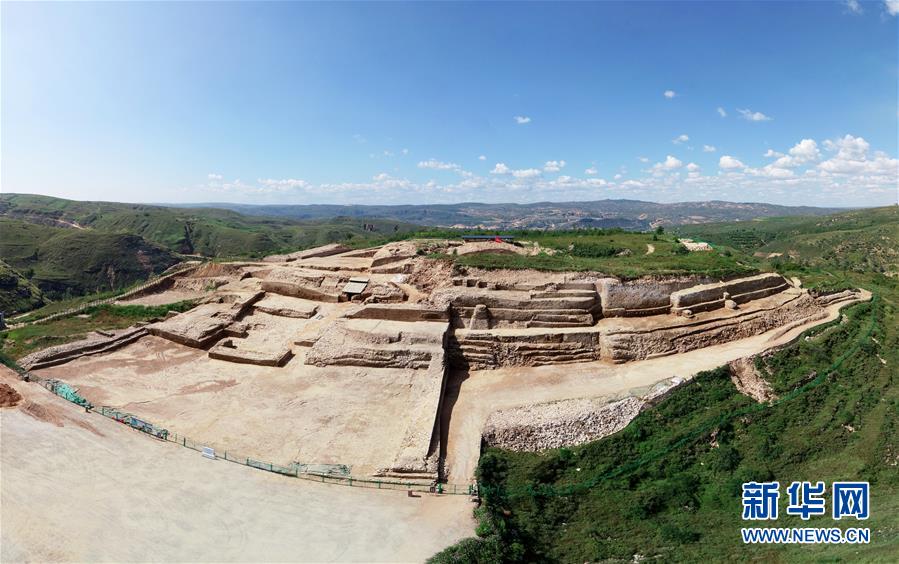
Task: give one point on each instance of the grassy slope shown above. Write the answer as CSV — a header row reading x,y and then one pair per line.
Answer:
x,y
860,240
17,293
669,257
69,248
63,261
209,232
17,343
684,504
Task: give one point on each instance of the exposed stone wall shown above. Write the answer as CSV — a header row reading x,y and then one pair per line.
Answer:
x,y
204,324
394,252
642,297
478,351
316,252
228,351
300,284
400,312
628,345
95,344
286,307
572,422
707,297
480,308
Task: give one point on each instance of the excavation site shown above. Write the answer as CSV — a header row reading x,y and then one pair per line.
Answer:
x,y
389,366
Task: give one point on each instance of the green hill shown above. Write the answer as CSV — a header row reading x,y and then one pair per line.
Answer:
x,y
667,487
203,231
65,261
17,293
860,240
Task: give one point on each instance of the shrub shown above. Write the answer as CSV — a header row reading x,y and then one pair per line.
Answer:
x,y
594,250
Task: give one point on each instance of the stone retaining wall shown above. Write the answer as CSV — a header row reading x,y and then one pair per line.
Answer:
x,y
544,426
95,344
707,297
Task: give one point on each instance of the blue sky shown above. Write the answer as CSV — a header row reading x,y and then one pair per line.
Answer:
x,y
449,102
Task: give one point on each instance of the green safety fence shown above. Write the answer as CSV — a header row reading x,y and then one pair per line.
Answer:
x,y
301,470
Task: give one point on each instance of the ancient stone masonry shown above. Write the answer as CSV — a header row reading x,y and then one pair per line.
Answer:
x,y
563,423
205,324
388,326
97,343
707,297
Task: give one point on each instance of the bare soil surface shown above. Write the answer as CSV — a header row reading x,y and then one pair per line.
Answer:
x,y
472,396
164,298
340,414
78,487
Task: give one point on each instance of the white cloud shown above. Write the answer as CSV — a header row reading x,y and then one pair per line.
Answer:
x,y
405,151
526,173
521,120
482,158
844,169
728,162
709,149
591,171
670,163
669,94
721,112
773,171
358,138
643,159
806,150
501,168
749,115
281,183
892,6
214,176
553,166
853,6
853,158
682,138
438,165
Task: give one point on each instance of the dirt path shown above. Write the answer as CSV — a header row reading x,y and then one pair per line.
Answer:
x,y
471,397
79,487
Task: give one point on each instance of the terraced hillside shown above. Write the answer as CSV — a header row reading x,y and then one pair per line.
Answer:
x,y
859,240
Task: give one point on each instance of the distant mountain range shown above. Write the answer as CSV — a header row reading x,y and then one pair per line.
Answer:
x,y
626,214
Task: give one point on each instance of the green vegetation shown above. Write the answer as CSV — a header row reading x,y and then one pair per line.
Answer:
x,y
17,343
614,252
667,487
858,241
17,293
203,231
66,262
68,249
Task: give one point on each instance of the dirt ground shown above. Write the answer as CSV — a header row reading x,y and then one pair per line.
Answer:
x,y
344,415
79,487
164,298
472,396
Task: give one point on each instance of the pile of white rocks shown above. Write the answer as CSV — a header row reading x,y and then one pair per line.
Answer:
x,y
562,423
